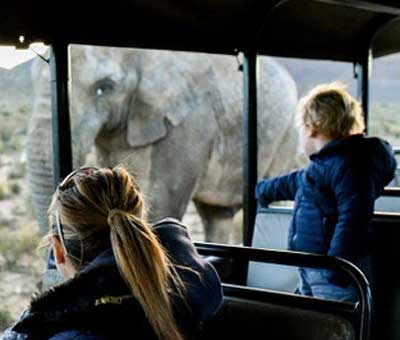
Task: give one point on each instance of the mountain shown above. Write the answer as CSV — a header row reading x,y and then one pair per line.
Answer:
x,y
16,87
16,84
384,85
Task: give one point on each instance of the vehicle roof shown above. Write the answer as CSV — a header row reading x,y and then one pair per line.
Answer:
x,y
320,29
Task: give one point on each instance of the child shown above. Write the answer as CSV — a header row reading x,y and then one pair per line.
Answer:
x,y
334,196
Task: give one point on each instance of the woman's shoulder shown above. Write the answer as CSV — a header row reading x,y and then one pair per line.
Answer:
x,y
169,222
174,235
201,279
170,229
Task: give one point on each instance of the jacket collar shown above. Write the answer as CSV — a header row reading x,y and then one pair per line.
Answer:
x,y
337,145
100,283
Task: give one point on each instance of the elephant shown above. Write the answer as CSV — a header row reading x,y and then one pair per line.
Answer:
x,y
174,119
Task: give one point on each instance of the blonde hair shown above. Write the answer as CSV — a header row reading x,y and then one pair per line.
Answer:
x,y
332,111
105,208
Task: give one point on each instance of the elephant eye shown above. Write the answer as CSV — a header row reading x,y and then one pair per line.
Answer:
x,y
104,87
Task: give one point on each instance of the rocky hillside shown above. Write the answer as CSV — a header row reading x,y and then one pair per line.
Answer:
x,y
16,87
16,84
385,81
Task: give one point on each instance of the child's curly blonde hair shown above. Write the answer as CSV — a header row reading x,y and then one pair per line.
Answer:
x,y
331,111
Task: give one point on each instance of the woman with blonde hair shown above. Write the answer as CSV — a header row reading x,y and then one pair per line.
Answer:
x,y
125,278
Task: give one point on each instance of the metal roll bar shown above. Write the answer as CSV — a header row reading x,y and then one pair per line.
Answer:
x,y
62,149
250,148
392,192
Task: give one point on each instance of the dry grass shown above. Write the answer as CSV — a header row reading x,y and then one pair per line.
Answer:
x,y
18,244
5,318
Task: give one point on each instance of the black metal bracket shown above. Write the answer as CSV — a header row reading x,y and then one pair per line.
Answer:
x,y
62,149
250,147
240,63
363,66
47,61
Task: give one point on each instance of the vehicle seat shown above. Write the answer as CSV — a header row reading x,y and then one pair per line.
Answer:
x,y
247,319
271,232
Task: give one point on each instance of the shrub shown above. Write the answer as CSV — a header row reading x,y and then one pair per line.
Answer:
x,y
384,121
15,187
5,319
17,244
4,192
17,171
24,109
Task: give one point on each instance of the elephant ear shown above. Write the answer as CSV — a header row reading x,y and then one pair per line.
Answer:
x,y
165,95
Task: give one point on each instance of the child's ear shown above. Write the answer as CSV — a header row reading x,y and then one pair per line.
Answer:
x,y
59,252
313,131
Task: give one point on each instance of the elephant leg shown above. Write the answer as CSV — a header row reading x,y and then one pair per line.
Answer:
x,y
218,222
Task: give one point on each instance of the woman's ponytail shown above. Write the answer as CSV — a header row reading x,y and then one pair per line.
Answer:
x,y
147,270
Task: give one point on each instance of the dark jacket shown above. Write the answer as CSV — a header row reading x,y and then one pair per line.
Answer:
x,y
75,309
334,196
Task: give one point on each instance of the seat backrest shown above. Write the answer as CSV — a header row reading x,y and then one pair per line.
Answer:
x,y
271,232
386,256
387,204
247,319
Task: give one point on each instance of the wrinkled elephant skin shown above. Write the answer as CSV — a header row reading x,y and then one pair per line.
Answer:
x,y
174,119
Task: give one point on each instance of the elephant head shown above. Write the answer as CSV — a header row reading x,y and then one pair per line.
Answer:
x,y
143,108
174,119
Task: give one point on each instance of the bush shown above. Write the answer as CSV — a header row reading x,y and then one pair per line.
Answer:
x,y
17,171
15,187
384,121
24,109
13,128
17,244
4,192
9,189
5,319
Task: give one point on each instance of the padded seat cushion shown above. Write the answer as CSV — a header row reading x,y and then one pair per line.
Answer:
x,y
247,319
271,232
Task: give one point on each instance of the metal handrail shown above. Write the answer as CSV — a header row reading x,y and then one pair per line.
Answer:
x,y
289,211
391,192
387,192
299,259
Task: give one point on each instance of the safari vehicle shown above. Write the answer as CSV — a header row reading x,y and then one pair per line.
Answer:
x,y
341,30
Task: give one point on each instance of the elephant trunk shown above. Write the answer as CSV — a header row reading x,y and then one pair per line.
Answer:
x,y
40,168
39,145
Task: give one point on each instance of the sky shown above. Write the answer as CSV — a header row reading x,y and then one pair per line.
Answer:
x,y
10,57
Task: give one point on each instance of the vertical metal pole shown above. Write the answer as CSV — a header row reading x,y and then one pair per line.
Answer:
x,y
363,70
62,151
250,150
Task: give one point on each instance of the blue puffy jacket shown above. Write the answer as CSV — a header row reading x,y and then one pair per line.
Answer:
x,y
74,310
334,196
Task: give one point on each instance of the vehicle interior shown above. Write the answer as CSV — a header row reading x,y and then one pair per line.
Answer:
x,y
260,275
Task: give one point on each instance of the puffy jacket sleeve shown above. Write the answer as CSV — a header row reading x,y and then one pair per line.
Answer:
x,y
9,334
203,286
12,333
282,188
355,195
